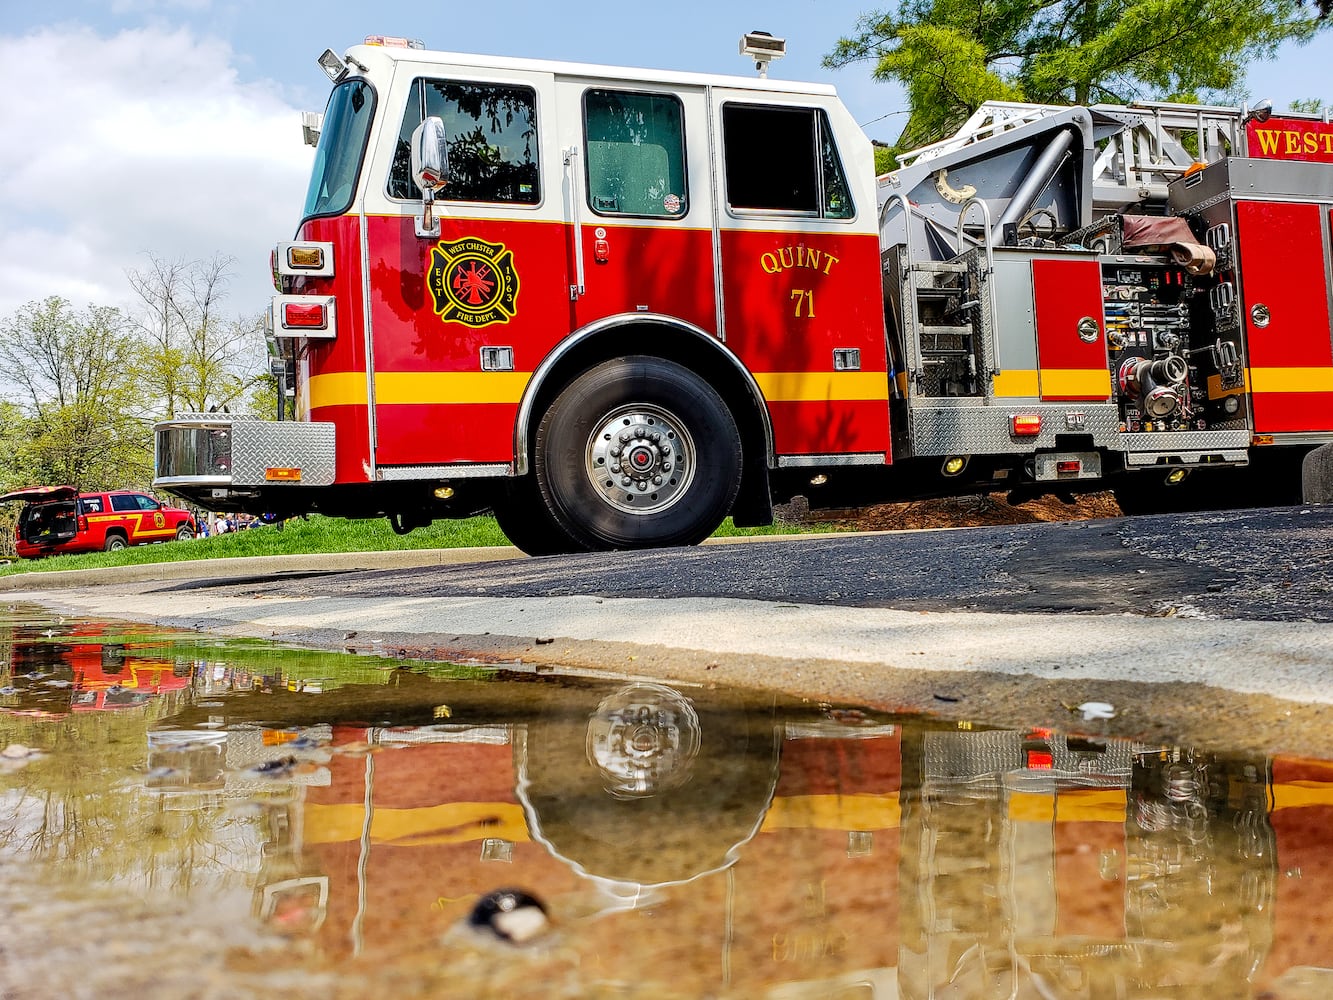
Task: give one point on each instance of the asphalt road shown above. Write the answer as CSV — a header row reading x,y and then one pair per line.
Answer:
x,y
1207,626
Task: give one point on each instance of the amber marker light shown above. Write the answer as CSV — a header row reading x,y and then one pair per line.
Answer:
x,y
282,475
305,258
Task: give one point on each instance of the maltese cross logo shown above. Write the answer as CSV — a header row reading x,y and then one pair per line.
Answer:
x,y
473,282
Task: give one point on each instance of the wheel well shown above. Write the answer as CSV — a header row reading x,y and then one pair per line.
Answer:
x,y
690,348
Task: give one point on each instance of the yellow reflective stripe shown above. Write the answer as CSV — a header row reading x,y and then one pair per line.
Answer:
x,y
349,388
1291,379
450,387
338,389
1018,382
450,823
811,387
1083,382
833,812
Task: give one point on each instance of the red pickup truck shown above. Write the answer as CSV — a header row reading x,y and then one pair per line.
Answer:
x,y
60,519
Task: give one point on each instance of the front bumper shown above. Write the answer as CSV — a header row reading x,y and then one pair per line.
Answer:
x,y
226,453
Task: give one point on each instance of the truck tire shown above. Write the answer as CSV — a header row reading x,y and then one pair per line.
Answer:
x,y
527,523
183,533
638,452
114,543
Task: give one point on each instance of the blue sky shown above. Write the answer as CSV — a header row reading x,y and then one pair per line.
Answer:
x,y
170,126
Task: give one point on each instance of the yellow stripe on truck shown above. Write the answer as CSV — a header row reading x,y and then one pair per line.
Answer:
x,y
815,387
1291,379
349,388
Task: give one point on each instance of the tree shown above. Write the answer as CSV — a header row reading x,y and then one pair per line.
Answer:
x,y
951,55
193,357
75,381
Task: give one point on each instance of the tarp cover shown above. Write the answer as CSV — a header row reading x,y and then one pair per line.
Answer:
x,y
1170,232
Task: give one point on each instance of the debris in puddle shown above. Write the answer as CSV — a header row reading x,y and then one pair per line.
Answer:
x,y
1093,710
17,751
511,915
945,697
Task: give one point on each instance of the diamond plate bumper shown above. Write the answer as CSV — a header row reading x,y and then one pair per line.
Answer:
x,y
225,451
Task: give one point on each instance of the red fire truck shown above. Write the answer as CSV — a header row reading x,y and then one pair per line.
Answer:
x,y
616,306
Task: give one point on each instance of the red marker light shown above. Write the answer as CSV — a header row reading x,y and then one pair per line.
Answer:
x,y
1025,424
304,316
1069,466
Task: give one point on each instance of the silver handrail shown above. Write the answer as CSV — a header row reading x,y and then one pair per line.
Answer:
x,y
988,274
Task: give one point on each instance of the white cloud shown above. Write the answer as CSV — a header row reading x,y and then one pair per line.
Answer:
x,y
141,142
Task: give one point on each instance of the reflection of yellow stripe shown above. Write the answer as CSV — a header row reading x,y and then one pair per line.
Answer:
x,y
1295,794
833,812
1018,382
450,823
811,387
1076,382
1086,805
1291,379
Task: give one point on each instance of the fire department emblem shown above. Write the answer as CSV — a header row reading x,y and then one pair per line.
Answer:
x,y
473,282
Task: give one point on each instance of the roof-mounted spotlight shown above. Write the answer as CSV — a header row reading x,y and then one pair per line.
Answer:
x,y
332,65
1260,113
763,48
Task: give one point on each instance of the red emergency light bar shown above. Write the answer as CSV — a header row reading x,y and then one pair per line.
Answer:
x,y
395,42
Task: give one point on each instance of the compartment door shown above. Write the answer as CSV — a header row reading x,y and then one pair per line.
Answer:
x,y
1071,335
1285,302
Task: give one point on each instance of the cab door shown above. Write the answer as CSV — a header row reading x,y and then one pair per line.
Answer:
x,y
638,194
459,319
801,286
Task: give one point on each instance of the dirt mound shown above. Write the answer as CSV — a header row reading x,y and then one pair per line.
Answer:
x,y
968,511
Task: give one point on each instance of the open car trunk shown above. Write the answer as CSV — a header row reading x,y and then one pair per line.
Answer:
x,y
49,515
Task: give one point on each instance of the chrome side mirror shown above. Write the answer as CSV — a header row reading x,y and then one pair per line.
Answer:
x,y
430,169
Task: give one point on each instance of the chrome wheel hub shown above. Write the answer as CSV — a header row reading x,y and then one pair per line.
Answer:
x,y
640,459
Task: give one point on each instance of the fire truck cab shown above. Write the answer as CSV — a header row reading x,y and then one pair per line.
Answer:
x,y
618,305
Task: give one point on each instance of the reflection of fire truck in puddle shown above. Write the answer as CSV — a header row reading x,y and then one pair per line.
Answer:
x,y
756,854
91,669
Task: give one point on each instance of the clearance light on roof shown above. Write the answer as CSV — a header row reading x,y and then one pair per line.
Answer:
x,y
1025,424
394,42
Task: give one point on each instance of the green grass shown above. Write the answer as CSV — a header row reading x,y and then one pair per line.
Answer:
x,y
322,535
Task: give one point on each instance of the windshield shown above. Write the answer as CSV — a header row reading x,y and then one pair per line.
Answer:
x,y
342,141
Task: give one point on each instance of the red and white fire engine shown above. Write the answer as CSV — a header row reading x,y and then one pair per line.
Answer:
x,y
617,305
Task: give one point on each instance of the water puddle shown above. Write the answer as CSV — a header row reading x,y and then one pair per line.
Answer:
x,y
181,816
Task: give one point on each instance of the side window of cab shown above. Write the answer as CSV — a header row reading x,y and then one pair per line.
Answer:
x,y
635,154
492,136
783,161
